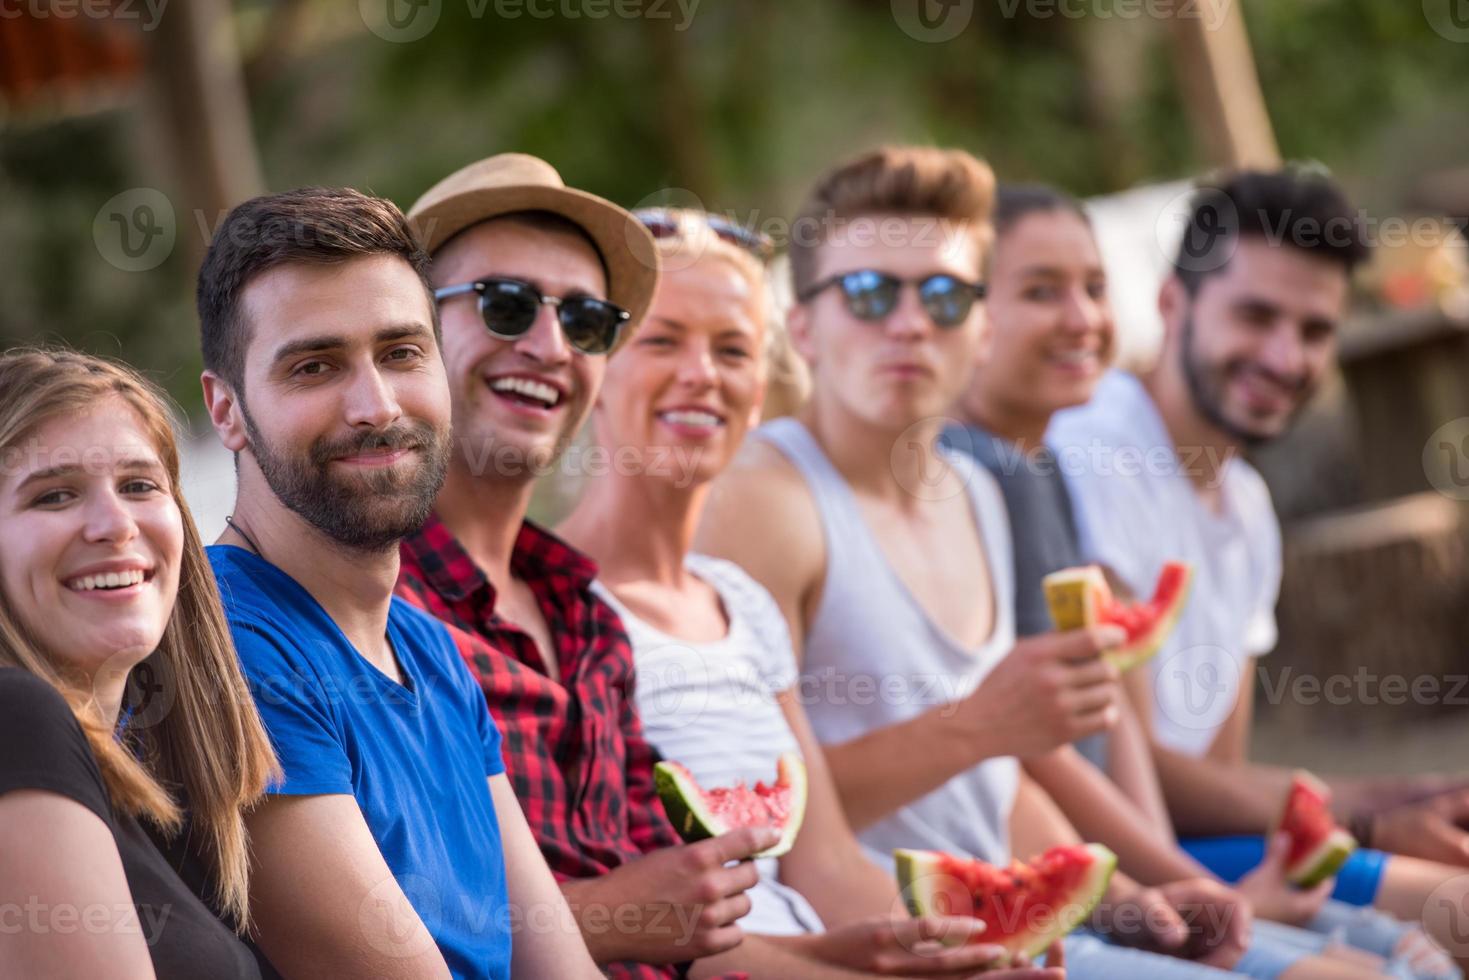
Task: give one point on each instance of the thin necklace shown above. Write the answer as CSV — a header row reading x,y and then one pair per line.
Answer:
x,y
241,532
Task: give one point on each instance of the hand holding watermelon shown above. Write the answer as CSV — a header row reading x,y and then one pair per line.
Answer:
x,y
1052,689
1271,893
688,900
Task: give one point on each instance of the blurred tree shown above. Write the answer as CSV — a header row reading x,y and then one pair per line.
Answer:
x,y
737,108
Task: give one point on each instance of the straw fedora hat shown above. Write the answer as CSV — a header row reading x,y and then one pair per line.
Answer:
x,y
510,182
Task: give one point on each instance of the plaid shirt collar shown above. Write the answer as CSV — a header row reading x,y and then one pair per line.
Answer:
x,y
538,555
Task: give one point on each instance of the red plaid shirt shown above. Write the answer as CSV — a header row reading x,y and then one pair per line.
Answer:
x,y
574,747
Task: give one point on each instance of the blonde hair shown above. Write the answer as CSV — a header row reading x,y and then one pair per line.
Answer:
x,y
787,377
209,744
950,185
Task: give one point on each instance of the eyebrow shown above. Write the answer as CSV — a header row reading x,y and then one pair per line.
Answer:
x,y
326,342
133,463
1056,271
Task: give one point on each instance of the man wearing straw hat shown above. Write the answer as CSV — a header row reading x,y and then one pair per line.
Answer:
x,y
537,284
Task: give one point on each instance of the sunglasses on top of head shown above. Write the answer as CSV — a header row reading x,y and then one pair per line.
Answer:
x,y
509,308
873,295
662,223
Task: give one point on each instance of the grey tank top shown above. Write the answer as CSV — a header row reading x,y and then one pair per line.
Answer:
x,y
874,658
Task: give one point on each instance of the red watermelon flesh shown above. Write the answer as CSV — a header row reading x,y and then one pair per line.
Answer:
x,y
1025,907
1318,847
698,813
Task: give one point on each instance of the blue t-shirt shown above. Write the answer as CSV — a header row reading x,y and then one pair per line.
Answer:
x,y
415,757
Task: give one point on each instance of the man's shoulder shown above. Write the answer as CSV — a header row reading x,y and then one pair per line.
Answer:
x,y
760,499
247,588
1120,412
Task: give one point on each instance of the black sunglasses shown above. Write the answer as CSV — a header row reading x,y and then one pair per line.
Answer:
x,y
662,223
873,295
509,307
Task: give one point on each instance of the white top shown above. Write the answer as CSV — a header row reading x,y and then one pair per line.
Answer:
x,y
874,658
712,707
1136,508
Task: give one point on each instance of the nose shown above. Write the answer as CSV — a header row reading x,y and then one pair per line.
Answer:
x,y
908,320
696,366
1083,313
371,400
545,341
108,519
1285,352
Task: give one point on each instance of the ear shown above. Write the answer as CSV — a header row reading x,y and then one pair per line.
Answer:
x,y
798,323
224,411
1172,302
985,349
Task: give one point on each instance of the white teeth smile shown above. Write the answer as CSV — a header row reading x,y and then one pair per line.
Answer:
x,y
691,418
526,388
110,580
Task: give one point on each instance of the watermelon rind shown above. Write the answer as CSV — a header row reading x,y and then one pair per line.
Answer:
x,y
922,881
683,801
1145,647
1325,861
1072,596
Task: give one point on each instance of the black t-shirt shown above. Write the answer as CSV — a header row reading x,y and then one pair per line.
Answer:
x,y
44,749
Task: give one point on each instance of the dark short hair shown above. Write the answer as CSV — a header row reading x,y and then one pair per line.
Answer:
x,y
1016,201
318,225
1291,207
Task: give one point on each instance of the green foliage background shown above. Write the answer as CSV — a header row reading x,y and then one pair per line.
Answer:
x,y
739,111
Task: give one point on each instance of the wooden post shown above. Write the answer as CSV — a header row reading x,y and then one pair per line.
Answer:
x,y
1216,71
196,106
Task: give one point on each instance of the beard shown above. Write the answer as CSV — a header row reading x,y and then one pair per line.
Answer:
x,y
370,512
1207,382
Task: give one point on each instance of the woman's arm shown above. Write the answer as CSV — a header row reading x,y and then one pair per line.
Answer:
x,y
65,908
827,865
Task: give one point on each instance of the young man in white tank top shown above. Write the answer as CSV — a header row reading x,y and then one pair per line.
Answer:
x,y
875,543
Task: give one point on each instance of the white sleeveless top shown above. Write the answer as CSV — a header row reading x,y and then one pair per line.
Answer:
x,y
873,658
712,707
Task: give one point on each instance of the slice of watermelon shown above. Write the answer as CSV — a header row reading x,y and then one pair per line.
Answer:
x,y
1318,847
1080,597
699,813
1025,907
